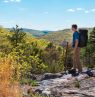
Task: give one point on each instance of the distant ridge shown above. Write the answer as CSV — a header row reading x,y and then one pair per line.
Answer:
x,y
58,36
36,33
49,34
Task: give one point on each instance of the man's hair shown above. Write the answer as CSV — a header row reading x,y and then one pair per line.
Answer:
x,y
74,26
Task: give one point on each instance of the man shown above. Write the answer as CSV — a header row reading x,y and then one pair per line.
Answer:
x,y
76,49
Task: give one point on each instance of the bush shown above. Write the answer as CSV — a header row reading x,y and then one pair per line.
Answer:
x,y
28,82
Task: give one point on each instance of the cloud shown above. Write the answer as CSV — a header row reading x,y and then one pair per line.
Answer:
x,y
18,0
93,10
79,9
76,9
86,11
71,10
7,1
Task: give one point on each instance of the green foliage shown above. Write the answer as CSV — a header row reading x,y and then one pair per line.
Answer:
x,y
30,55
88,53
28,81
34,83
77,84
37,95
58,36
34,55
52,56
17,36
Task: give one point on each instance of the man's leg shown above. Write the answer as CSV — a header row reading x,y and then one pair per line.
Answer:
x,y
78,60
74,61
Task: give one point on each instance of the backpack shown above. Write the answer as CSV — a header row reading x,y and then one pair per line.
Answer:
x,y
83,37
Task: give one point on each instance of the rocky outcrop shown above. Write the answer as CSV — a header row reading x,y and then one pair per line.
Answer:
x,y
68,86
59,85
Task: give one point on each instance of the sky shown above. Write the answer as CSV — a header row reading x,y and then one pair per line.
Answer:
x,y
47,14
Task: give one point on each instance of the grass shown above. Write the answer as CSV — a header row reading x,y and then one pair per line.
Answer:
x,y
77,84
33,83
8,87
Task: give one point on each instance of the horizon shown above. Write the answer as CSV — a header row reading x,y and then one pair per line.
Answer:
x,y
51,15
51,30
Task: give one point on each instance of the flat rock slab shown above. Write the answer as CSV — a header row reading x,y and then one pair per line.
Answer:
x,y
58,85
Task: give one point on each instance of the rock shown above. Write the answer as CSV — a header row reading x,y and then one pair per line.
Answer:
x,y
25,89
46,92
69,76
47,76
93,72
81,77
39,91
58,85
79,93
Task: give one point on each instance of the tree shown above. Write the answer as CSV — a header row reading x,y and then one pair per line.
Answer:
x,y
17,36
89,53
92,37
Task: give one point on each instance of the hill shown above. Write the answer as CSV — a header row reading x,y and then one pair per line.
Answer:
x,y
58,36
36,33
52,36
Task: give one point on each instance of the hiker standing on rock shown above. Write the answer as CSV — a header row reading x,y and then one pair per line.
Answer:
x,y
76,49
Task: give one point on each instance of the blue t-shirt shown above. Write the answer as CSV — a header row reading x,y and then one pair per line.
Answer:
x,y
75,37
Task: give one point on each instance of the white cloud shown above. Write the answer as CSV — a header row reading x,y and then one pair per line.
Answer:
x,y
93,10
7,1
86,11
76,9
12,0
71,10
79,9
18,0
